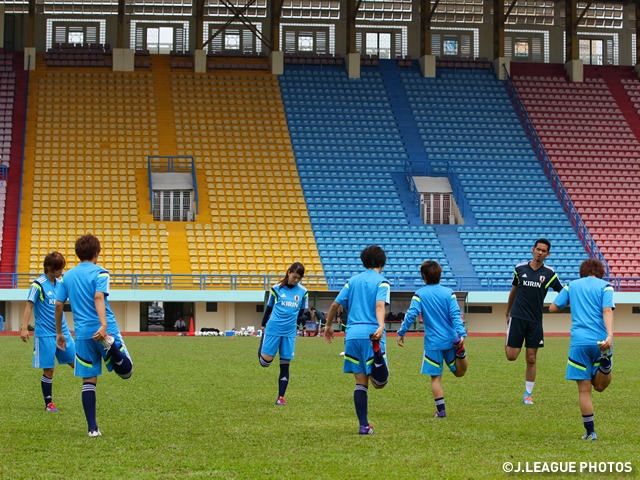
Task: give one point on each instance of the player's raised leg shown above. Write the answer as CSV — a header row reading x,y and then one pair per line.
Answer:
x,y
118,355
379,369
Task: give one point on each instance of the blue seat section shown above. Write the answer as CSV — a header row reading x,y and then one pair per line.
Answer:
x,y
467,120
347,148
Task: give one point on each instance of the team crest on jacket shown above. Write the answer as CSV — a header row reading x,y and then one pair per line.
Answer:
x,y
542,277
296,298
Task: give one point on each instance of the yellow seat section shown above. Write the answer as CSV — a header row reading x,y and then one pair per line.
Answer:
x,y
89,135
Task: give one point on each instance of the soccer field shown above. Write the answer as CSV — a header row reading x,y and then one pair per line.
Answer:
x,y
203,407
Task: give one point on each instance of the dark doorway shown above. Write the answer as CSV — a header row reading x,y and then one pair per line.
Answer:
x,y
174,310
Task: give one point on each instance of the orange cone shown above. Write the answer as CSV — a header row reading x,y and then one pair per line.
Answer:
x,y
192,328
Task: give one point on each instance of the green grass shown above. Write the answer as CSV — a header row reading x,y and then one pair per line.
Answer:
x,y
203,407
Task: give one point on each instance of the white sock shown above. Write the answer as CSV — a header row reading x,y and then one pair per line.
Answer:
x,y
529,387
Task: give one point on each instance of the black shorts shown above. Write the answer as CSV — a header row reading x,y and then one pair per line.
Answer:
x,y
524,330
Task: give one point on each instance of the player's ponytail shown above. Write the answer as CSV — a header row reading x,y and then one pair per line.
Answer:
x,y
297,267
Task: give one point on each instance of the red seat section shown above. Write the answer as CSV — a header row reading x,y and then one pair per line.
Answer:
x,y
590,132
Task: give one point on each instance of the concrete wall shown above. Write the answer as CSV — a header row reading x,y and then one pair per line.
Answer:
x,y
556,33
242,314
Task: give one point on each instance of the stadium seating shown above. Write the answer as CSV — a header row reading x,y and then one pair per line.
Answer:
x,y
7,90
347,148
82,168
235,127
595,153
466,121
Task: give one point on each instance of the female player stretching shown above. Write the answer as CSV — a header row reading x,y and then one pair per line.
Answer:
x,y
287,300
443,331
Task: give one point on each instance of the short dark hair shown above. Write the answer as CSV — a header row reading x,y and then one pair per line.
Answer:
x,y
593,267
54,261
373,257
87,247
544,241
431,272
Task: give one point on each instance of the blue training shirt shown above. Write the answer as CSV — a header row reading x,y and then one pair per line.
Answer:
x,y
287,303
79,285
440,314
360,295
587,296
42,294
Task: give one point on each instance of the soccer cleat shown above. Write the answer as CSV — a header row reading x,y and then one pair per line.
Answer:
x,y
107,342
366,430
528,399
440,414
51,408
95,433
605,353
280,401
375,344
590,436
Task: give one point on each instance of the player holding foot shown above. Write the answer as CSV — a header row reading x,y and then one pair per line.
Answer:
x,y
591,347
443,331
531,282
42,302
98,338
365,296
288,299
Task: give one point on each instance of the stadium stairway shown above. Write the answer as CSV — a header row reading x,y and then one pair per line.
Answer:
x,y
457,257
12,206
467,123
408,132
177,237
348,148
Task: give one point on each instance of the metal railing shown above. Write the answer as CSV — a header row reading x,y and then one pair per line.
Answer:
x,y
167,164
424,168
24,144
578,225
185,282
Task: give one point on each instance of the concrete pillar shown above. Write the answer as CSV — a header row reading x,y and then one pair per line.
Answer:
x,y
30,58
1,25
123,60
497,67
575,70
13,312
230,316
428,66
352,61
200,61
276,59
131,318
637,69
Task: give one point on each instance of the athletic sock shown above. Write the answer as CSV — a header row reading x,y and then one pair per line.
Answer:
x,y
46,384
260,346
587,420
89,404
379,369
462,351
360,401
440,404
283,380
605,365
529,387
263,362
121,363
